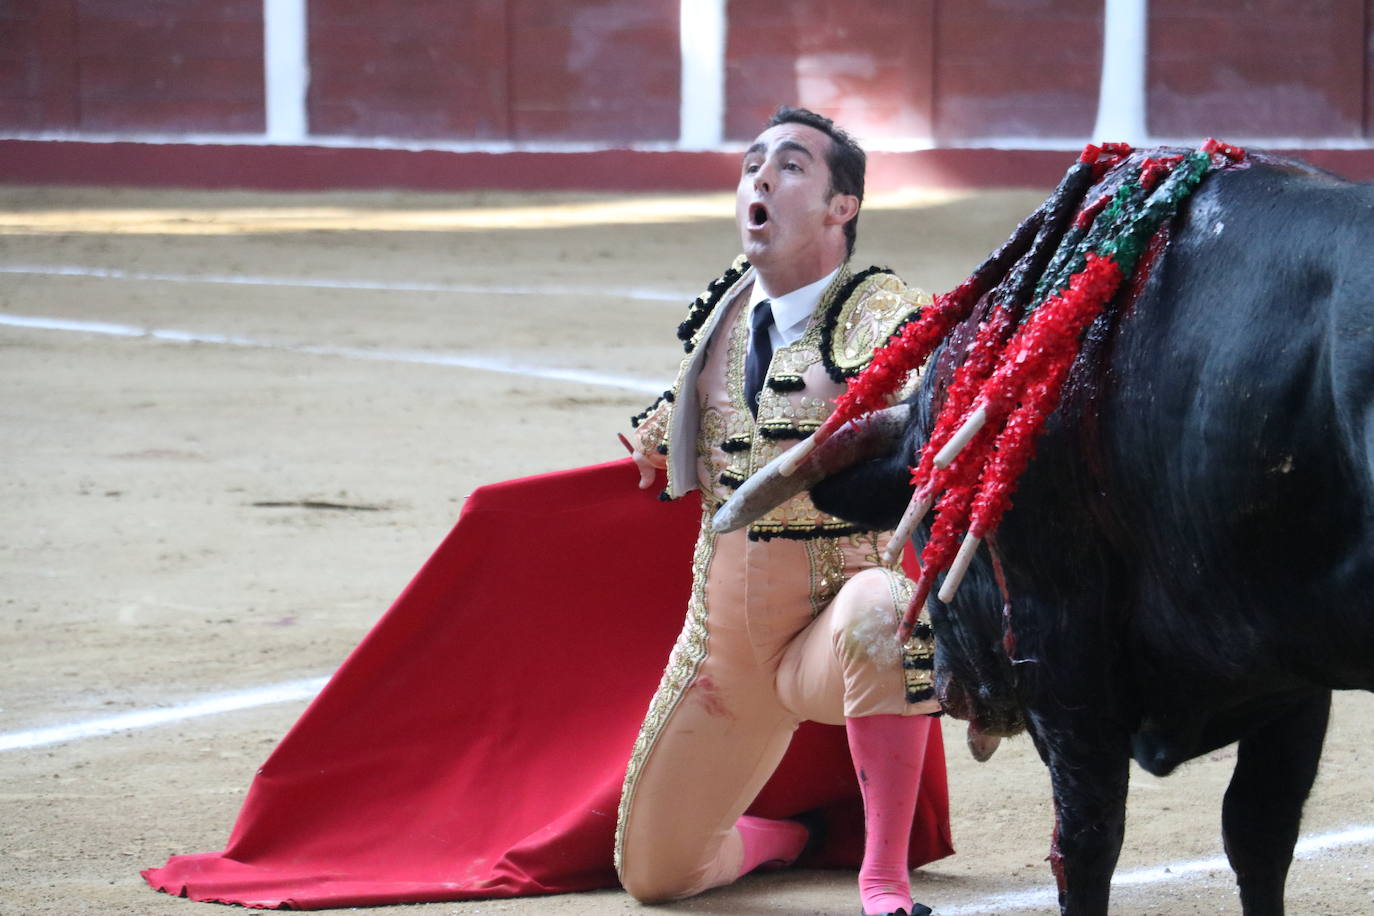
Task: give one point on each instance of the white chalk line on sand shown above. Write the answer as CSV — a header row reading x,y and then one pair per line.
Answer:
x,y
208,706
307,688
1046,897
422,357
110,273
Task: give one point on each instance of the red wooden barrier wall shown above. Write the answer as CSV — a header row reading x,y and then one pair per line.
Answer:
x,y
867,64
425,68
592,70
1280,68
1028,69
955,71
131,65
607,72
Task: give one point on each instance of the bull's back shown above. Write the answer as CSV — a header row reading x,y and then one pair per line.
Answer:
x,y
1236,432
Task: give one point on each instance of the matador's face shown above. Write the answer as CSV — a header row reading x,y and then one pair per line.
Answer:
x,y
783,204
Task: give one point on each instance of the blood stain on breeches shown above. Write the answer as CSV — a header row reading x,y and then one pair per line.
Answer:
x,y
705,692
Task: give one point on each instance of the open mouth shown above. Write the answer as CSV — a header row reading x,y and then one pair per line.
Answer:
x,y
758,215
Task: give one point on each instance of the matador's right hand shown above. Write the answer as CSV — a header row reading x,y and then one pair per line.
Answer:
x,y
647,471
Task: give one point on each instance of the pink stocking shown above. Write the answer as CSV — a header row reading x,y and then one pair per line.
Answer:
x,y
769,842
888,752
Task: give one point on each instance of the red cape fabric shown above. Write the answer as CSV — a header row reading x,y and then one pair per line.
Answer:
x,y
474,743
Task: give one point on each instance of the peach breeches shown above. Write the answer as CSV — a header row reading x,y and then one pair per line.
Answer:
x,y
752,663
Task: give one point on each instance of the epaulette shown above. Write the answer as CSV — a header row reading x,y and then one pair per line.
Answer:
x,y
872,306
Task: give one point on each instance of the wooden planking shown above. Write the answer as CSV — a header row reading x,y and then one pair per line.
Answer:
x,y
425,69
209,12
38,65
1285,68
301,168
170,65
1367,31
1016,69
607,71
140,77
867,64
594,70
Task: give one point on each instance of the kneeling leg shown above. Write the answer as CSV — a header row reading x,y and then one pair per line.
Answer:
x,y
848,667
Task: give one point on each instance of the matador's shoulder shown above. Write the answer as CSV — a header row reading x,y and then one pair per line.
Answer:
x,y
862,310
689,331
652,422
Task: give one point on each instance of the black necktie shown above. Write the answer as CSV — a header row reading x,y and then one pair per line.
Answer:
x,y
760,354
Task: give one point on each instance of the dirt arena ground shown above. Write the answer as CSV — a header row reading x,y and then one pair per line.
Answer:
x,y
160,544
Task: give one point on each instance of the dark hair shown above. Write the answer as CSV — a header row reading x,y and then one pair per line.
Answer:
x,y
846,159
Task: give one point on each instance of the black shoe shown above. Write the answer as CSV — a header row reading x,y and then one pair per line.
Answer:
x,y
917,909
814,822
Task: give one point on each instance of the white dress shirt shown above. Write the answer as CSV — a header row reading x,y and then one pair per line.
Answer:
x,y
792,311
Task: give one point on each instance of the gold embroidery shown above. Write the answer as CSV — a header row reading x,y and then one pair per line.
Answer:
x,y
785,417
826,561
840,282
869,317
683,662
740,423
918,668
789,415
734,360
918,652
795,359
714,462
869,545
652,428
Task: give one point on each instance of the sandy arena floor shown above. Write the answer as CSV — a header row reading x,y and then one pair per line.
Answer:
x,y
143,569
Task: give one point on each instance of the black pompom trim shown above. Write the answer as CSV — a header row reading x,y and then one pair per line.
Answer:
x,y
787,383
832,315
920,696
732,480
805,534
781,432
703,305
644,414
663,448
735,444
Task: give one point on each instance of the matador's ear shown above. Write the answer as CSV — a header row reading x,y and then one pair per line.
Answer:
x,y
841,208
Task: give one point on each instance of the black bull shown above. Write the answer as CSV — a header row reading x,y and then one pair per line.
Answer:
x,y
1190,559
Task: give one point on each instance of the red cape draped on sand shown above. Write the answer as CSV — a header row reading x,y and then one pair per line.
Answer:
x,y
474,743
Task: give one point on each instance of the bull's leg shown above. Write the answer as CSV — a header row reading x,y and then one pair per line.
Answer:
x,y
1088,763
1275,766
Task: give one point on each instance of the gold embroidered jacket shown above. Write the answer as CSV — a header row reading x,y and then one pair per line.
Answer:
x,y
715,450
